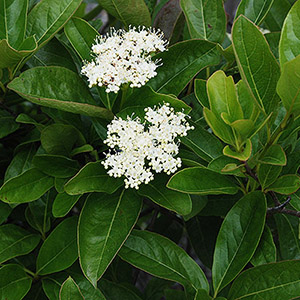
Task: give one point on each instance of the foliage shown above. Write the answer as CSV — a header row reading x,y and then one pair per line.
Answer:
x,y
225,225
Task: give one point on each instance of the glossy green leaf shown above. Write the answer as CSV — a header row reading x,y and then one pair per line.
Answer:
x,y
48,17
15,241
161,195
201,92
14,282
63,203
286,184
160,257
273,41
104,225
7,124
82,36
27,187
274,156
202,143
181,63
56,165
70,291
260,76
238,238
201,181
198,203
288,87
266,249
82,149
129,12
92,178
271,281
59,88
134,105
288,234
289,46
254,10
222,163
267,174
52,285
59,251
205,19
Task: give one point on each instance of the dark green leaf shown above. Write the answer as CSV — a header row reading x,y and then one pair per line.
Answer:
x,y
5,211
181,63
92,178
104,224
8,124
15,241
63,203
205,19
27,187
201,181
70,291
201,92
271,281
238,238
274,156
287,184
267,174
59,251
160,257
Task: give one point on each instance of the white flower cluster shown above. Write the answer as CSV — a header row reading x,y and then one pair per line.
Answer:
x,y
124,57
141,148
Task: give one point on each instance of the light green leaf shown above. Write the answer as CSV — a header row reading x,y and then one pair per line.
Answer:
x,y
274,156
59,251
287,184
267,174
15,241
48,17
70,291
260,75
129,12
63,203
104,225
238,238
59,88
27,187
271,281
201,181
172,200
161,257
14,282
254,10
289,45
205,19
92,178
181,63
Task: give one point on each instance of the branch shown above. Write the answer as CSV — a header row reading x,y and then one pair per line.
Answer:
x,y
279,207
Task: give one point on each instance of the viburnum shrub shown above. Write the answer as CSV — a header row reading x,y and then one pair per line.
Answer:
x,y
145,153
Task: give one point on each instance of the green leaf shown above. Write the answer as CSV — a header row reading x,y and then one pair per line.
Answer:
x,y
70,291
52,285
160,257
181,63
82,149
129,12
288,87
201,181
7,124
5,211
134,105
205,19
59,251
59,88
14,282
15,241
56,165
27,187
289,45
271,281
202,143
63,203
238,238
273,41
267,174
288,233
104,225
92,178
81,36
172,200
198,203
287,184
201,92
266,249
225,165
48,17
254,10
274,156
260,76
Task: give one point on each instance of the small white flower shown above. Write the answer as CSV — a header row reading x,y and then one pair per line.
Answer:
x,y
124,57
141,148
